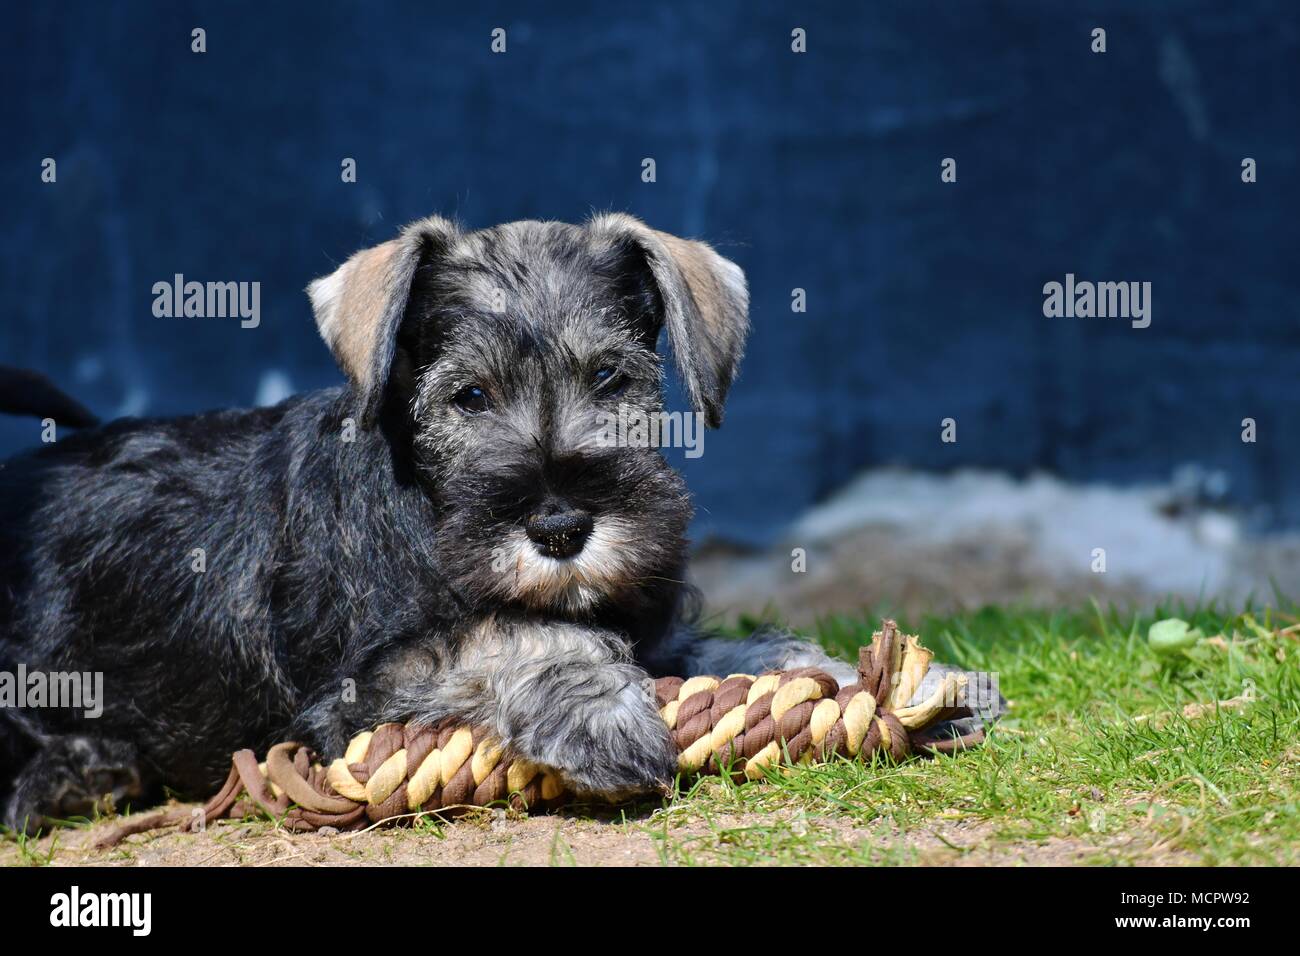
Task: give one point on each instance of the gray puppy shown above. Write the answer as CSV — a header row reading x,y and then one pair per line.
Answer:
x,y
449,534
519,344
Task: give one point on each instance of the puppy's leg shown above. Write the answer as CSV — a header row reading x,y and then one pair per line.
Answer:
x,y
687,653
565,696
72,776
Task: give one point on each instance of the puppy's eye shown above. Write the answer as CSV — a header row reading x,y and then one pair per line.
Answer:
x,y
610,381
472,400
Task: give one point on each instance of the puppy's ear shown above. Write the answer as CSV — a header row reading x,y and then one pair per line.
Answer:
x,y
359,306
705,306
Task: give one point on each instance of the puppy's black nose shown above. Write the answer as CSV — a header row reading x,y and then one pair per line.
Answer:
x,y
559,534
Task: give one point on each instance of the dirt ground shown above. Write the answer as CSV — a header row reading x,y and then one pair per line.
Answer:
x,y
495,839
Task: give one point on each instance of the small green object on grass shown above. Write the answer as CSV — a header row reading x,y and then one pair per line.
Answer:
x,y
1172,635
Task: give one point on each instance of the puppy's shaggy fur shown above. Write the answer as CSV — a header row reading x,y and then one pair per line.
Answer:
x,y
442,536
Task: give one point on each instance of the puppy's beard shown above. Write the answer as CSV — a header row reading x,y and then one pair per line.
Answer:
x,y
601,568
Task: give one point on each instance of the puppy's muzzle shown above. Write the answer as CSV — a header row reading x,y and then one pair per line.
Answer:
x,y
559,532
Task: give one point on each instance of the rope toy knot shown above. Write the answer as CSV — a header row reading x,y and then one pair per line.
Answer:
x,y
742,724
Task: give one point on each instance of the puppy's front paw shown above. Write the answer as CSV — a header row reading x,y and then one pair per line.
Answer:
x,y
614,745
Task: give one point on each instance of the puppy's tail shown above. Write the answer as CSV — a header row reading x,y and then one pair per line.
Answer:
x,y
30,393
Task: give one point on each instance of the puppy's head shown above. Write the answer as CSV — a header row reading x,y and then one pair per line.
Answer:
x,y
503,354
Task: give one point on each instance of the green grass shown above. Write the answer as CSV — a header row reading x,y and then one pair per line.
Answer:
x,y
1095,763
29,854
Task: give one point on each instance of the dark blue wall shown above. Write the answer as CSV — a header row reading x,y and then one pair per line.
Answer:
x,y
819,171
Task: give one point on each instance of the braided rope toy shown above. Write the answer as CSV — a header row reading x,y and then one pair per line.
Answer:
x,y
739,726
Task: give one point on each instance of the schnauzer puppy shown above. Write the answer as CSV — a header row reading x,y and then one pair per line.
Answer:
x,y
444,536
